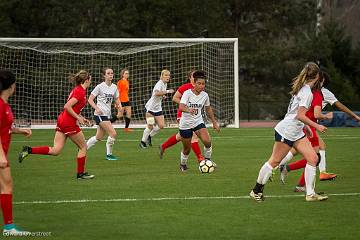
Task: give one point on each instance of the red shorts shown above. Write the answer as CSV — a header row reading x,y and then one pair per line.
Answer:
x,y
314,140
67,129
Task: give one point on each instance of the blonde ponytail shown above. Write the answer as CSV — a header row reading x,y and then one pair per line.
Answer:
x,y
309,72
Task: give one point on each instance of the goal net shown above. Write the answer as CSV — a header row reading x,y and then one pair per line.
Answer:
x,y
43,65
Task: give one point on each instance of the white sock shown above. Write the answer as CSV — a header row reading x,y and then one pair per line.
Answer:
x,y
287,158
207,152
322,164
184,158
109,145
91,142
310,173
265,173
154,131
146,134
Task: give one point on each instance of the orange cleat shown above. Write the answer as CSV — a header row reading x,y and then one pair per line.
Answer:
x,y
324,176
128,130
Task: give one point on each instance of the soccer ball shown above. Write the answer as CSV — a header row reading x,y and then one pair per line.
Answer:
x,y
207,166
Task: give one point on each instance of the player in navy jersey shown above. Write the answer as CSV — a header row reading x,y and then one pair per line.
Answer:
x,y
67,126
7,89
191,104
289,133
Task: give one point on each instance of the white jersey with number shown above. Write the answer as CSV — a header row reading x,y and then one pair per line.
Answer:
x,y
329,97
154,103
290,127
104,97
197,102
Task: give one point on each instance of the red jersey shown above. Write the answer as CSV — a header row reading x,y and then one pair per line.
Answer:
x,y
6,122
317,101
80,94
181,90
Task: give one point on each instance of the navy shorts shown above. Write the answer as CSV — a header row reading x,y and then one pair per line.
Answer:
x,y
279,138
125,104
187,133
99,119
156,114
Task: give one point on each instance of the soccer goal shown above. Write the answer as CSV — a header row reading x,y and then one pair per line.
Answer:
x,y
42,66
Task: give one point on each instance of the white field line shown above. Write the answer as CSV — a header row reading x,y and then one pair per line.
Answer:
x,y
165,199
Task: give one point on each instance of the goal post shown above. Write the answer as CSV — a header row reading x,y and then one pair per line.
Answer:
x,y
42,66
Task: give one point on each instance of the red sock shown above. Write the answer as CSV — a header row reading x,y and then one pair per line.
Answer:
x,y
6,207
43,150
171,141
302,179
81,164
196,148
297,165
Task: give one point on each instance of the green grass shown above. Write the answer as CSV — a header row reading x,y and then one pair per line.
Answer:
x,y
141,175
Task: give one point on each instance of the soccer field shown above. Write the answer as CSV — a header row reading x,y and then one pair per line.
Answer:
x,y
143,197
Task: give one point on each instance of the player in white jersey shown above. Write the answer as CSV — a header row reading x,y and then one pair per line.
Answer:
x,y
328,98
191,104
105,93
154,114
289,133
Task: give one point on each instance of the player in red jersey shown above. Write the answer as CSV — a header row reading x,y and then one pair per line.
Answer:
x,y
7,89
67,126
314,114
175,138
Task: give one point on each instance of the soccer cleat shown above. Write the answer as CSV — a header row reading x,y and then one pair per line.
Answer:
x,y
128,130
283,173
258,197
24,153
161,152
327,176
315,197
183,167
111,157
12,230
299,188
85,175
142,144
149,143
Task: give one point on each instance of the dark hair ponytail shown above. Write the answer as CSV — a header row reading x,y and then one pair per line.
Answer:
x,y
199,74
7,79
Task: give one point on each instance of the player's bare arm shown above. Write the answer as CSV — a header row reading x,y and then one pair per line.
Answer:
x,y
210,114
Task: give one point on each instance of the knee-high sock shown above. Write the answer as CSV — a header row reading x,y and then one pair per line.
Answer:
x,y
310,173
301,181
81,164
287,158
154,131
6,207
91,142
146,134
264,173
109,145
322,164
196,149
127,122
207,152
297,165
170,142
42,150
183,158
